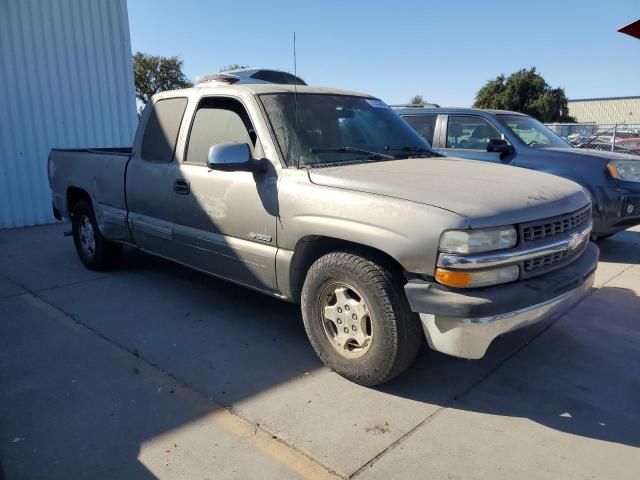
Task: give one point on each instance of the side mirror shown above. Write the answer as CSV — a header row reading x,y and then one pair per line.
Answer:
x,y
498,145
230,157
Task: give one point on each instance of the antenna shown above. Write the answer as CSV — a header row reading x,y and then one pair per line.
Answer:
x,y
295,96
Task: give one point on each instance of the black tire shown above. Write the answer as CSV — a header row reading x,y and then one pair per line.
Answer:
x,y
105,254
396,331
596,237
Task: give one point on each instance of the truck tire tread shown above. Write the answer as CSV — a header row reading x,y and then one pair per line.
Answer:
x,y
384,287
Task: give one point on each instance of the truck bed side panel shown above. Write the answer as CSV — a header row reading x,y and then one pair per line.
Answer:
x,y
99,174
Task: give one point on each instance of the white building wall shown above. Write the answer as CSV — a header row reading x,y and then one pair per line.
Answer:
x,y
66,81
606,110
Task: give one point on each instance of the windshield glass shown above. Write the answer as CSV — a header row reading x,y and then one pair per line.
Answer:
x,y
339,128
532,132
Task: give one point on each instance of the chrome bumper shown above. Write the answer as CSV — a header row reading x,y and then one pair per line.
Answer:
x,y
470,337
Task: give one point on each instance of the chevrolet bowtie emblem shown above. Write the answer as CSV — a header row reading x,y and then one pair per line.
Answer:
x,y
575,240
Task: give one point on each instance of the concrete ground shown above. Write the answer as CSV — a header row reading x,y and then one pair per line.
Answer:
x,y
156,371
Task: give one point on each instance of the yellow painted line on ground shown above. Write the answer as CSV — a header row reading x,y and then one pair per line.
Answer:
x,y
298,463
301,465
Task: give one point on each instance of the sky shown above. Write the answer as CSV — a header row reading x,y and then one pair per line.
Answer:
x,y
442,50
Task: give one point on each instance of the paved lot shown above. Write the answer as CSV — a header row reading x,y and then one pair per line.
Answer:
x,y
155,371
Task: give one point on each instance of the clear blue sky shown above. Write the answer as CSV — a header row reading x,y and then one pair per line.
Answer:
x,y
444,50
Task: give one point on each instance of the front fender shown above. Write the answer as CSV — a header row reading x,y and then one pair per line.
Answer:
x,y
409,232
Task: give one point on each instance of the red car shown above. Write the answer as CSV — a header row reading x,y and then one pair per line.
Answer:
x,y
632,143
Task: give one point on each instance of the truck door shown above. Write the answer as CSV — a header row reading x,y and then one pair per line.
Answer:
x,y
149,181
225,222
467,137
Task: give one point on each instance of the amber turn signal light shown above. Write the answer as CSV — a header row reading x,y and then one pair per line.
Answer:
x,y
452,278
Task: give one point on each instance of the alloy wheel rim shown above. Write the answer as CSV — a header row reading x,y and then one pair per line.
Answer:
x,y
346,320
87,236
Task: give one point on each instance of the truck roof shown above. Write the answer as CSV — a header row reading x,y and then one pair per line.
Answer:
x,y
258,88
446,110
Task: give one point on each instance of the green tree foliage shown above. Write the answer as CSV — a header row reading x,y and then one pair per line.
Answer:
x,y
417,100
527,92
153,74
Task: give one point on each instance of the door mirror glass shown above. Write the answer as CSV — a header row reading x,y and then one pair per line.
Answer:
x,y
230,157
498,145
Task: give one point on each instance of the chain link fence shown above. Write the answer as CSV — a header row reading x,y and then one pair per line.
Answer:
x,y
623,138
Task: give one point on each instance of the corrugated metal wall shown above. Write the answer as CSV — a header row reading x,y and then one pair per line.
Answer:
x,y
606,110
66,81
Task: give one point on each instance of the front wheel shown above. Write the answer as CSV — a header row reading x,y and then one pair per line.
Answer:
x,y
358,319
95,251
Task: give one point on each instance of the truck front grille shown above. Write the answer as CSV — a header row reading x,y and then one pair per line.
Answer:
x,y
550,230
550,227
540,265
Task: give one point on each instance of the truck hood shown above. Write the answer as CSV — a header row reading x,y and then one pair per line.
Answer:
x,y
485,194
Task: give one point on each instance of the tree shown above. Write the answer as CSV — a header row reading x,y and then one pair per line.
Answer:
x,y
153,74
233,66
417,100
527,92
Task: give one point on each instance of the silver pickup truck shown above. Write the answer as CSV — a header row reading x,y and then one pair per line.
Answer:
x,y
328,198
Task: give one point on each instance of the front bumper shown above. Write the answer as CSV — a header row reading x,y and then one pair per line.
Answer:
x,y
463,323
616,207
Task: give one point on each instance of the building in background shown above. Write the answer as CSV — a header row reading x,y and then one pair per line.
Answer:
x,y
612,110
67,81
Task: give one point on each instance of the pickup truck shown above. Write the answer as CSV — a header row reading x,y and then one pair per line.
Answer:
x,y
511,138
328,198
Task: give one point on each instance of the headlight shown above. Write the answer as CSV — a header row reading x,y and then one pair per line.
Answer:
x,y
628,170
476,241
477,278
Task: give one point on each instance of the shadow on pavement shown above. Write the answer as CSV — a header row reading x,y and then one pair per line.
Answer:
x,y
579,377
250,352
623,247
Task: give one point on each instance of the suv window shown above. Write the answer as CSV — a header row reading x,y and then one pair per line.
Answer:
x,y
425,125
161,133
469,132
218,120
268,76
273,76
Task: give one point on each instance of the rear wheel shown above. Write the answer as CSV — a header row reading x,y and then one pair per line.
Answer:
x,y
95,251
358,319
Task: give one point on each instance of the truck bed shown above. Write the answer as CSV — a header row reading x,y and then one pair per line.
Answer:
x,y
101,173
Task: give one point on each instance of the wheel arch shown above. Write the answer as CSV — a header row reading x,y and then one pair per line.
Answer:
x,y
74,196
310,248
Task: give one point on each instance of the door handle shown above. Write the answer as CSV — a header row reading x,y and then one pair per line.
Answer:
x,y
181,187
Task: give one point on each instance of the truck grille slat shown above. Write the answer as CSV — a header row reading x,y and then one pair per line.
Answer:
x,y
549,228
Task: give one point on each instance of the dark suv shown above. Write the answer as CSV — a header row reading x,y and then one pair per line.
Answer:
x,y
498,136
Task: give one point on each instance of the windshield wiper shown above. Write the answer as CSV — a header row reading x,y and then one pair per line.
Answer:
x,y
372,155
413,149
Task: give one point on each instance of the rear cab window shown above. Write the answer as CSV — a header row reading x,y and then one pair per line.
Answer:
x,y
161,132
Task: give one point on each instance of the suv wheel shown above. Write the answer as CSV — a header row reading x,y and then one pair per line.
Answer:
x,y
358,319
96,252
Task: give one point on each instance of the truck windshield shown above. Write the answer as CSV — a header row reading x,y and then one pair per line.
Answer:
x,y
339,128
532,132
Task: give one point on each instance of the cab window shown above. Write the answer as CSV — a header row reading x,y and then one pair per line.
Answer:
x,y
425,125
218,120
470,133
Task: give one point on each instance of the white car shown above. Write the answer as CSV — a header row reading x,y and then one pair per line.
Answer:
x,y
252,75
